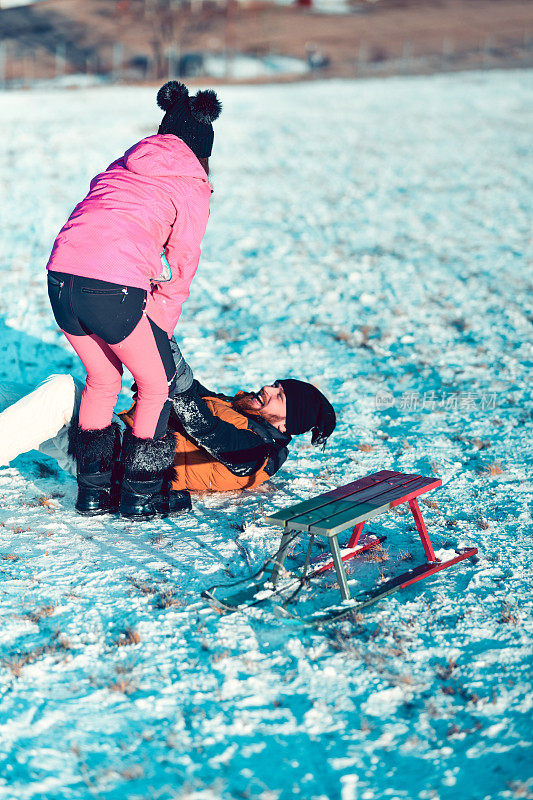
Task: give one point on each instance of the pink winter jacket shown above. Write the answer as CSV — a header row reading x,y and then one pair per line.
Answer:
x,y
153,199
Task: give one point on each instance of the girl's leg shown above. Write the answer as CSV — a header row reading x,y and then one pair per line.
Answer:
x,y
91,313
146,353
94,439
148,450
104,380
107,327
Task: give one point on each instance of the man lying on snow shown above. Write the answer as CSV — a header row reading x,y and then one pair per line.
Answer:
x,y
223,443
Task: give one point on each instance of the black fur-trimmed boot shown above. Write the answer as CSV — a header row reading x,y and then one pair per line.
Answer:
x,y
96,453
148,472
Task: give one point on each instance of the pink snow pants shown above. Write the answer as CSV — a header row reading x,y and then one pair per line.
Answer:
x,y
103,362
93,315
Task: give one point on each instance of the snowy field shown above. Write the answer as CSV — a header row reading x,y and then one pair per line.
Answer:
x,y
371,237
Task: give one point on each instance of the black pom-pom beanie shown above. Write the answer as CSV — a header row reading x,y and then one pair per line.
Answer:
x,y
308,410
188,117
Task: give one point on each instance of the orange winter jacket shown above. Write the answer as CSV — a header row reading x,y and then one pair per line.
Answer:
x,y
198,470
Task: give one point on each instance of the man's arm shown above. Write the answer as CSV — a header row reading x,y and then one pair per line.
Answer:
x,y
204,392
238,449
185,377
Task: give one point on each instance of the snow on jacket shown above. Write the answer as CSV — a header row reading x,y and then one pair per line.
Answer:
x,y
154,198
243,452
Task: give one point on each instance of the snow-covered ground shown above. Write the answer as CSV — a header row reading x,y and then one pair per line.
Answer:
x,y
371,237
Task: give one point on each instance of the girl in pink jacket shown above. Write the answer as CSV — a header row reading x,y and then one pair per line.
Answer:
x,y
118,275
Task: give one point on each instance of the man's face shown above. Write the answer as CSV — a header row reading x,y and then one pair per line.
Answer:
x,y
269,402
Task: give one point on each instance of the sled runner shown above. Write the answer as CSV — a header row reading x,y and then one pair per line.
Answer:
x,y
330,514
260,588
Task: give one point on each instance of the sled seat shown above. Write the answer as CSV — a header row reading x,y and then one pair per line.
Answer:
x,y
330,514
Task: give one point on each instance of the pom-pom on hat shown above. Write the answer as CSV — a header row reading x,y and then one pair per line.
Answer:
x,y
308,410
188,117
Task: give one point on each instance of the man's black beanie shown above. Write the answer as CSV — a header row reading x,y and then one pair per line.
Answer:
x,y
189,118
308,409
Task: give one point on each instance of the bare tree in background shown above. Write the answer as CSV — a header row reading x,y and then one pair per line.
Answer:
x,y
161,16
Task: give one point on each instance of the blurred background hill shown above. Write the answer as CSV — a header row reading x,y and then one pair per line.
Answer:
x,y
83,41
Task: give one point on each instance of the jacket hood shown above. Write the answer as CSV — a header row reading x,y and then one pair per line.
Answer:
x,y
163,155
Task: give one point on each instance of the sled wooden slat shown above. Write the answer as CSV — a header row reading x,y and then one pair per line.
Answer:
x,y
331,513
307,522
338,522
283,516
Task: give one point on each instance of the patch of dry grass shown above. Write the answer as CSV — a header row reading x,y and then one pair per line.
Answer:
x,y
123,685
492,469
142,586
481,444
509,614
444,672
377,554
220,656
405,555
45,502
380,662
128,637
169,599
430,503
133,773
19,529
521,788
41,613
455,730
18,661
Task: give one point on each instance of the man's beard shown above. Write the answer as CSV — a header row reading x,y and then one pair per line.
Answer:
x,y
244,405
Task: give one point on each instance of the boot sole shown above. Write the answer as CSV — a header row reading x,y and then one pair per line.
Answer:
x,y
97,513
162,515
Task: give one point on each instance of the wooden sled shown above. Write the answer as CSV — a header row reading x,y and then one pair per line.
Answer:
x,y
327,516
